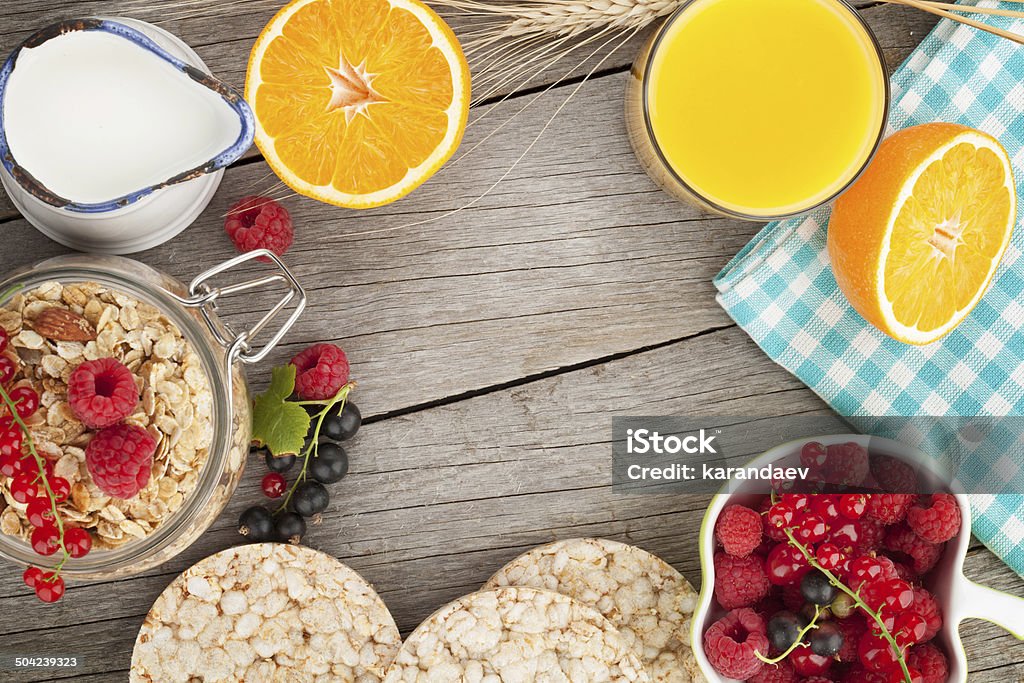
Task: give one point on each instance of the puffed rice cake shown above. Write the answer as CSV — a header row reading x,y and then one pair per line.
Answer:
x,y
265,613
646,599
516,635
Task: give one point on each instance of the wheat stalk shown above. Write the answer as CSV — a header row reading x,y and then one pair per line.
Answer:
x,y
566,17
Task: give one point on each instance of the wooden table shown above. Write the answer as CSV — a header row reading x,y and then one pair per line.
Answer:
x,y
491,347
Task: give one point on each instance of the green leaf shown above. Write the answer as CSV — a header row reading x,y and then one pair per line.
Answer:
x,y
277,423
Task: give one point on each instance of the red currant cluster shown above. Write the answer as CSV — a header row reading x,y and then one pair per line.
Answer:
x,y
830,586
32,483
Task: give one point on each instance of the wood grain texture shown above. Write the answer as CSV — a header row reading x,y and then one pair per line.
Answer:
x,y
492,348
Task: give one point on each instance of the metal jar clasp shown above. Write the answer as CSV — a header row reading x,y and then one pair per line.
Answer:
x,y
204,296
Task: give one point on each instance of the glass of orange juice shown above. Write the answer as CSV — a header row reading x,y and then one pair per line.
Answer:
x,y
758,109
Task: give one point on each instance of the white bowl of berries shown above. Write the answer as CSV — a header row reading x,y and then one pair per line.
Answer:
x,y
856,577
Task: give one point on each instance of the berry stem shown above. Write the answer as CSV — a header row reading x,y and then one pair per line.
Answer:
x,y
314,445
8,293
796,643
857,599
41,466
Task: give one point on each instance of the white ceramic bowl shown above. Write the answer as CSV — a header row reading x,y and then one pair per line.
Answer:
x,y
960,597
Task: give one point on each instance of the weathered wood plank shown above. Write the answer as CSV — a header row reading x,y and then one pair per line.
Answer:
x,y
458,490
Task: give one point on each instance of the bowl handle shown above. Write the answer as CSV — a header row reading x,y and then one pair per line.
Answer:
x,y
1002,609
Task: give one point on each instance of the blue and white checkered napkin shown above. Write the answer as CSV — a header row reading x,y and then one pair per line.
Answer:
x,y
780,288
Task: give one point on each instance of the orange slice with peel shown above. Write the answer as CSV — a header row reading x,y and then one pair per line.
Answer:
x,y
357,102
916,241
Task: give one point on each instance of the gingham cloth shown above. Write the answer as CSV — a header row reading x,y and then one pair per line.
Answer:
x,y
780,288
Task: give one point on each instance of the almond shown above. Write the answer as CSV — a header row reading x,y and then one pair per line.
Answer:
x,y
60,324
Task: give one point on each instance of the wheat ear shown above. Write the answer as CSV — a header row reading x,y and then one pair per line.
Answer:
x,y
566,17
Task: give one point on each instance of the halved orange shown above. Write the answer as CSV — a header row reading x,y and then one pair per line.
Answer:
x,y
357,102
916,241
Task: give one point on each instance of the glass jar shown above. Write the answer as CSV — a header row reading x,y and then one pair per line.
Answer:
x,y
222,354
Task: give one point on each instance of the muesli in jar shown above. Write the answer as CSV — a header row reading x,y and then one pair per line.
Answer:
x,y
54,330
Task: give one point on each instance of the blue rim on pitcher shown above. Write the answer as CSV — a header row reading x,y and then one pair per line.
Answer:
x,y
232,98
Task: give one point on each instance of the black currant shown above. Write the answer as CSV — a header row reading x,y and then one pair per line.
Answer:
x,y
817,588
333,428
257,524
330,465
290,528
783,630
827,639
310,498
280,463
808,611
351,420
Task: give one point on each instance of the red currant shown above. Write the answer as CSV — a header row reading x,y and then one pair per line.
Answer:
x,y
11,465
829,556
813,455
897,594
896,675
780,515
32,576
875,653
810,529
786,565
50,588
11,437
864,568
61,488
39,512
845,534
798,501
274,485
4,338
806,663
909,628
826,506
77,541
7,369
24,487
853,505
45,540
26,401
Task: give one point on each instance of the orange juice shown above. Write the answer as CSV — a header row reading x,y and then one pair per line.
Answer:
x,y
761,108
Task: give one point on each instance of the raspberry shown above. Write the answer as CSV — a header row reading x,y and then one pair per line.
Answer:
x,y
775,673
928,607
847,464
935,519
922,554
739,581
738,529
816,679
853,628
871,533
893,475
259,223
859,674
102,393
930,661
119,460
889,508
792,597
322,372
730,644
